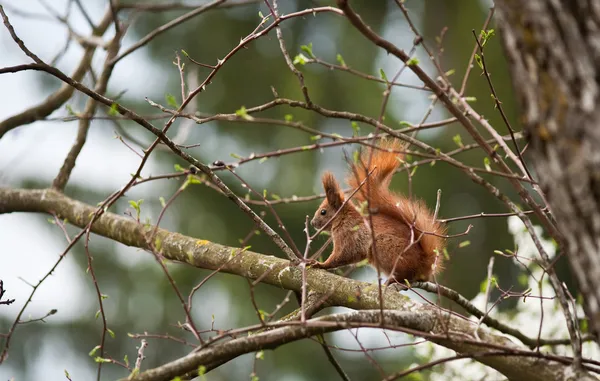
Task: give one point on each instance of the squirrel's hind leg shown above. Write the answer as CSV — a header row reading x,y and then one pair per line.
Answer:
x,y
339,258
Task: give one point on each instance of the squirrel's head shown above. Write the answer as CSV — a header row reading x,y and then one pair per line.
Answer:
x,y
334,199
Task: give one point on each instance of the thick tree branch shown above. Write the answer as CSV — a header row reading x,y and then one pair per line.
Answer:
x,y
449,330
214,356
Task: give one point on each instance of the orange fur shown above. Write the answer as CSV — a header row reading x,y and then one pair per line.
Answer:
x,y
407,239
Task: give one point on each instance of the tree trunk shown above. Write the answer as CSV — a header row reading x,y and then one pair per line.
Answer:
x,y
553,48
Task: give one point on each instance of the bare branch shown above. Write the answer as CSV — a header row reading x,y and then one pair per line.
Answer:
x,y
57,99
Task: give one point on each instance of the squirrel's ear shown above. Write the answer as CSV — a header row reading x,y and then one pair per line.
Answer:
x,y
332,191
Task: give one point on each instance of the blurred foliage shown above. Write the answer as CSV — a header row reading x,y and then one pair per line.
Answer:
x,y
141,299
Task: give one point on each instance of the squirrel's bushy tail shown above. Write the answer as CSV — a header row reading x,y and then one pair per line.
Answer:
x,y
427,229
384,161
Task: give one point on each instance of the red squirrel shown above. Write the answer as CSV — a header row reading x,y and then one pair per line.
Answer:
x,y
408,240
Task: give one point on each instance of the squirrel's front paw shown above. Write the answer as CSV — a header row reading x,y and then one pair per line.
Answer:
x,y
313,263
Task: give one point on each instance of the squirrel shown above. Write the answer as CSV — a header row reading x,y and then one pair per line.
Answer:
x,y
408,239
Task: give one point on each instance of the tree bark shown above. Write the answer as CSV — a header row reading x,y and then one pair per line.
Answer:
x,y
553,49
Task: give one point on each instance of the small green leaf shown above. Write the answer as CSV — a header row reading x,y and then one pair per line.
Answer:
x,y
306,148
479,61
414,170
184,53
110,332
413,61
340,59
201,371
483,286
113,110
486,35
464,244
300,59
179,168
486,163
134,205
470,99
275,196
382,74
260,15
449,72
260,355
355,129
94,350
163,203
191,179
315,137
308,50
126,359
458,140
100,359
263,314
103,296
263,160
235,156
97,314
288,117
72,112
243,113
171,101
356,157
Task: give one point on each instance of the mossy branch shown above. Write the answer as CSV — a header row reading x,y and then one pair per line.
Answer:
x,y
449,330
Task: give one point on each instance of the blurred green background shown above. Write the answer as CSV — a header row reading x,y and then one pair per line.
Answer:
x,y
141,299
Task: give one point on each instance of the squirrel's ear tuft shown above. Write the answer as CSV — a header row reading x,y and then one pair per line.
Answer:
x,y
332,191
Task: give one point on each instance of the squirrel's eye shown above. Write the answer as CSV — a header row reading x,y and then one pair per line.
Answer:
x,y
323,212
